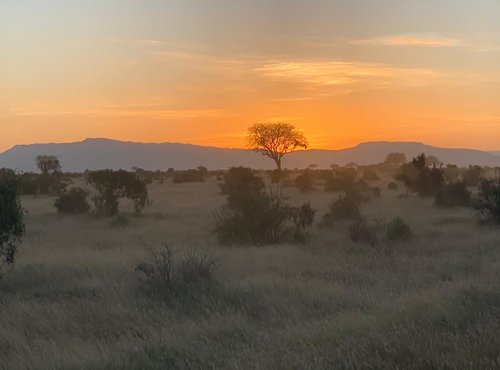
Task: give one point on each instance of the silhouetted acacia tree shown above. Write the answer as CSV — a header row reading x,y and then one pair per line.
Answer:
x,y
11,217
275,140
111,185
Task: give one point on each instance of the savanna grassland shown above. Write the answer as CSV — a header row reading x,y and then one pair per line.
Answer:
x,y
74,301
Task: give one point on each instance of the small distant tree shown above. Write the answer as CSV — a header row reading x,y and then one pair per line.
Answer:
x,y
51,179
11,217
111,185
48,164
275,140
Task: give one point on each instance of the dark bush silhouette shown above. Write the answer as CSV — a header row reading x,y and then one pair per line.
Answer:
x,y
182,177
370,175
420,178
363,231
344,208
120,220
452,173
398,230
239,182
344,180
392,186
11,217
454,195
111,185
259,217
173,277
472,175
72,202
488,202
305,182
376,192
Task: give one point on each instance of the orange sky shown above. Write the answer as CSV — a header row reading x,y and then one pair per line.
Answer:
x,y
186,71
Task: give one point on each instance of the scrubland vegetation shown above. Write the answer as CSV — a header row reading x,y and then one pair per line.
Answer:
x,y
233,270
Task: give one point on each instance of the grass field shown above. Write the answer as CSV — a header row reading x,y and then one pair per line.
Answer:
x,y
73,301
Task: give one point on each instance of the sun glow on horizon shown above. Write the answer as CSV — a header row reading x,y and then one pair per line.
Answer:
x,y
186,71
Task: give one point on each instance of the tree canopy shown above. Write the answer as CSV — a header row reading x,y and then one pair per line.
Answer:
x,y
275,140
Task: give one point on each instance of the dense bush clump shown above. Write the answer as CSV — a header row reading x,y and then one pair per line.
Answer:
x,y
239,182
420,177
109,186
370,175
454,195
488,202
172,277
398,230
11,217
304,182
256,216
392,186
363,231
344,180
73,201
345,207
197,175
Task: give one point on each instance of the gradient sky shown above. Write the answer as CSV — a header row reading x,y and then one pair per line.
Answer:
x,y
202,71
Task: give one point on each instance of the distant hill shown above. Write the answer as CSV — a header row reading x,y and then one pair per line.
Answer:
x,y
104,153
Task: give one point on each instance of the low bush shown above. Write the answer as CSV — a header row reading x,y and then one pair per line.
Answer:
x,y
370,175
392,186
363,231
488,202
453,195
72,202
240,181
174,277
197,175
262,218
119,221
344,208
398,230
304,182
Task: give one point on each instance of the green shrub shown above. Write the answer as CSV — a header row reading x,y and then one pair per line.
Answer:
x,y
454,195
398,230
72,202
11,217
173,277
344,208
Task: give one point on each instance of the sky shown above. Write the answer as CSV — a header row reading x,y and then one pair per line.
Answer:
x,y
202,71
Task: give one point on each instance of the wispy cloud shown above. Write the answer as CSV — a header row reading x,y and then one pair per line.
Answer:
x,y
340,73
147,111
434,41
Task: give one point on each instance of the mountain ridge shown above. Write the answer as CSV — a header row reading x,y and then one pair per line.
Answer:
x,y
99,153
